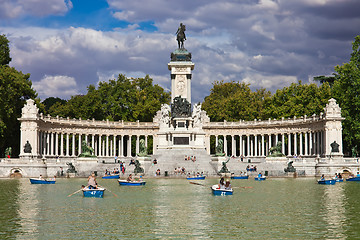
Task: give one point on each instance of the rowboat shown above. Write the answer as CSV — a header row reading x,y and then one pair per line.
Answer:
x,y
339,180
260,178
196,178
116,176
41,181
353,179
327,182
134,183
220,192
97,193
240,177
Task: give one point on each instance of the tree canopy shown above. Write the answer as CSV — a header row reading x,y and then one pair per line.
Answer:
x,y
346,91
4,50
127,99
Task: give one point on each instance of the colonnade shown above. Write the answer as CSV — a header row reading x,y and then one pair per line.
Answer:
x,y
310,143
69,144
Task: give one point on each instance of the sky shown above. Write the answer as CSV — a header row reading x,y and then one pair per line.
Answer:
x,y
66,45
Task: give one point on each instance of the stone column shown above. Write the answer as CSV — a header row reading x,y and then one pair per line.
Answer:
x,y
100,146
233,146
56,153
225,146
301,144
248,145
241,150
80,150
137,144
67,144
216,140
256,143
129,146
289,144
93,142
270,140
295,144
107,146
114,145
62,144
318,143
73,145
262,145
306,144
52,144
283,143
121,146
311,144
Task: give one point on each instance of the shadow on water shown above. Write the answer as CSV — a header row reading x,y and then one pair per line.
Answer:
x,y
9,207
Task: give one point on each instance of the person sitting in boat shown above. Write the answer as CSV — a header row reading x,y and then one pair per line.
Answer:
x,y
336,176
222,183
41,177
339,176
260,175
130,178
228,185
53,179
92,182
322,178
357,174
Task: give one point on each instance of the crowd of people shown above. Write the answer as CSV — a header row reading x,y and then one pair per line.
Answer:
x,y
190,158
179,171
251,168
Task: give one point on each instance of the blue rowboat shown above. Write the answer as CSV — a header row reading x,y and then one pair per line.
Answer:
x,y
240,177
41,181
220,192
260,178
327,182
339,180
117,176
124,182
353,179
196,178
97,193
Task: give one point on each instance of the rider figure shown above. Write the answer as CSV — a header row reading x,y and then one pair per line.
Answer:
x,y
181,35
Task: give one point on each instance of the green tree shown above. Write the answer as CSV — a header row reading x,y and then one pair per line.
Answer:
x,y
127,99
4,50
15,88
50,101
233,101
346,91
326,79
298,100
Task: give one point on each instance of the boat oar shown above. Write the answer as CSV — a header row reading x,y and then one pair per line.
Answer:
x,y
74,193
198,184
109,191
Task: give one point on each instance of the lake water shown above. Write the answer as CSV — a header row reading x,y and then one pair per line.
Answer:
x,y
174,209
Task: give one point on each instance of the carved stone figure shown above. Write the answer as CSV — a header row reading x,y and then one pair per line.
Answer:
x,y
27,147
87,151
180,35
71,168
138,169
165,113
8,151
224,168
142,148
180,108
334,147
290,167
196,115
219,148
276,151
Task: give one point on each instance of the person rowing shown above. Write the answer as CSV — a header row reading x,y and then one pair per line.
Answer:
x,y
222,183
92,184
228,185
130,178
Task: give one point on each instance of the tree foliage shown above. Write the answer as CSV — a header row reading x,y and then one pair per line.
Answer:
x,y
4,50
127,99
50,101
346,91
233,101
15,88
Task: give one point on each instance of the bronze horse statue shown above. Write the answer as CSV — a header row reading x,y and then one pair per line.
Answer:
x,y
180,35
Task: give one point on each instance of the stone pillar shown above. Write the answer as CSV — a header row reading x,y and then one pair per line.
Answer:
x,y
306,144
318,143
248,145
73,145
301,144
241,152
114,145
256,143
93,142
311,143
283,143
56,153
295,144
262,145
233,146
52,144
137,147
79,140
216,140
225,146
129,146
62,144
107,146
67,144
121,152
289,144
270,140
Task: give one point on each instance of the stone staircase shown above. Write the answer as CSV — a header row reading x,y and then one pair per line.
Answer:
x,y
168,160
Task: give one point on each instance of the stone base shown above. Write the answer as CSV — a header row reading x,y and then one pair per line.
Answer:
x,y
87,159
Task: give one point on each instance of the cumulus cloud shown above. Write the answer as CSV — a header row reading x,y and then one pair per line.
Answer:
x,y
18,8
60,86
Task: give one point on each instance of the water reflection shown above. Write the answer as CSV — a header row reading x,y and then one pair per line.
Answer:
x,y
334,210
